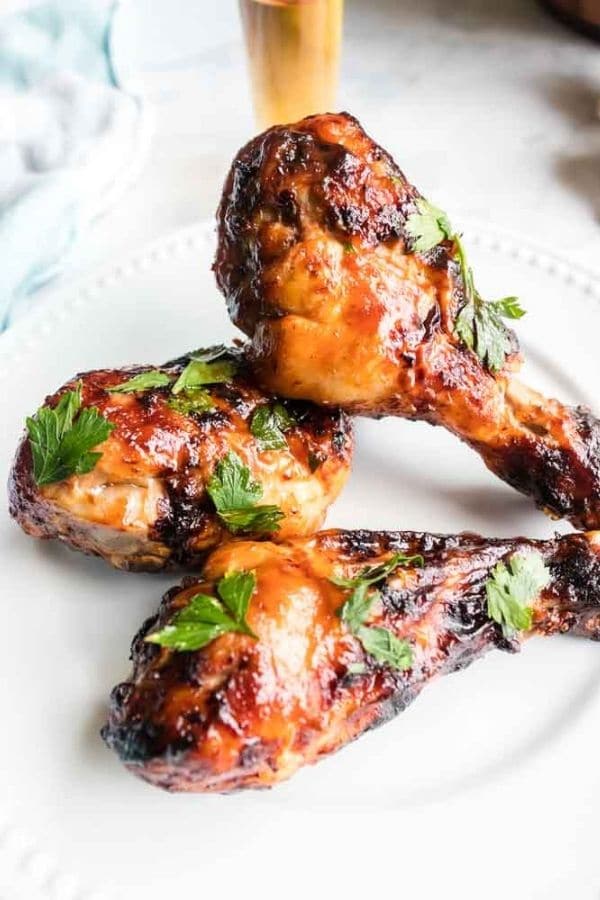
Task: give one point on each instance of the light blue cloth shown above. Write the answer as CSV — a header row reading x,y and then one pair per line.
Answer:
x,y
70,139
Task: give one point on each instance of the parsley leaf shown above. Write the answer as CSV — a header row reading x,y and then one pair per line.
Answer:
x,y
428,227
373,574
236,589
231,486
268,425
479,322
379,642
513,587
259,519
196,400
236,495
190,400
205,368
480,327
142,382
206,618
385,647
509,307
356,608
62,438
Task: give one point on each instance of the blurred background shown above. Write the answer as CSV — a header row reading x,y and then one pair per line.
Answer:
x,y
119,120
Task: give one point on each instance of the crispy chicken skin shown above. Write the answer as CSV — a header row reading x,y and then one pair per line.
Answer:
x,y
144,506
247,713
317,269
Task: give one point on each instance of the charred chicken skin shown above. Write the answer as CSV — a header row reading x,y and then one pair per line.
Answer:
x,y
146,503
247,710
355,292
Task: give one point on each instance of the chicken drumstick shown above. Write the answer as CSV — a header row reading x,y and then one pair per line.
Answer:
x,y
150,468
277,655
356,292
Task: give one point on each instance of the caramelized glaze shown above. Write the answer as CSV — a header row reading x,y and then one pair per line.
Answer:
x,y
316,267
145,504
245,713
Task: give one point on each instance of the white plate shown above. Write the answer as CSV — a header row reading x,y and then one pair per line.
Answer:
x,y
488,781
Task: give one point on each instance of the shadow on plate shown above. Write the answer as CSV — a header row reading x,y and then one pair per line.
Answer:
x,y
582,175
475,504
555,729
576,97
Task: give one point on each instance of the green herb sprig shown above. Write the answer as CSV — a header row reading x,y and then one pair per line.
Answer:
x,y
379,642
511,589
195,400
188,394
372,574
236,497
269,424
145,381
479,322
206,618
198,372
62,439
231,487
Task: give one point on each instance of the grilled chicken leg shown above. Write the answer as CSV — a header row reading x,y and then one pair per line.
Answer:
x,y
146,502
249,709
318,260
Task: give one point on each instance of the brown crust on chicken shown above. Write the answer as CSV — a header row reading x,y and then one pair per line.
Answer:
x,y
316,266
144,506
243,713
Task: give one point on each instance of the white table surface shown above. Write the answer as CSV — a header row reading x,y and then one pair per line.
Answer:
x,y
490,109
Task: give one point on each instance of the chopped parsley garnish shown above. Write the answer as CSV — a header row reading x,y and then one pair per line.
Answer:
x,y
206,618
479,322
142,382
479,325
196,400
187,392
385,647
236,497
199,372
62,439
511,589
380,643
356,608
428,226
269,424
373,574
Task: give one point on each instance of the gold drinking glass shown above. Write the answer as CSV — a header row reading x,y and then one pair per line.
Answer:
x,y
294,52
